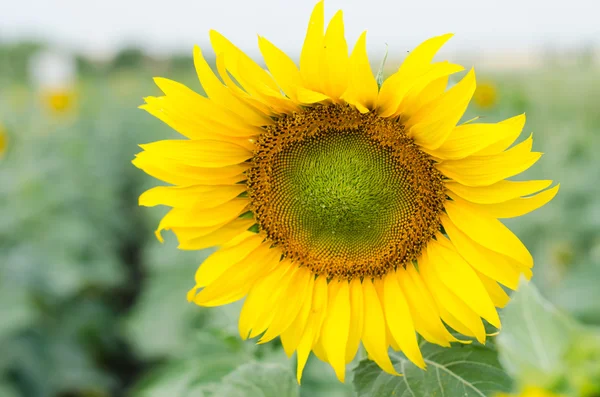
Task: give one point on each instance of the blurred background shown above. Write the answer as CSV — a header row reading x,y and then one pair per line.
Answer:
x,y
91,304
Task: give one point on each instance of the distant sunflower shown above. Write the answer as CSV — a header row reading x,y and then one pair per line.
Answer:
x,y
3,140
486,95
344,212
531,392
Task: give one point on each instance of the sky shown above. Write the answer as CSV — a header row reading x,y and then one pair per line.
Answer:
x,y
102,27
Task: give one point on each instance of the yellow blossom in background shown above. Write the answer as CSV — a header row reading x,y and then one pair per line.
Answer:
x,y
345,213
59,101
531,392
3,140
486,95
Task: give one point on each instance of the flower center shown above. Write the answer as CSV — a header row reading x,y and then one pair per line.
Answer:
x,y
343,193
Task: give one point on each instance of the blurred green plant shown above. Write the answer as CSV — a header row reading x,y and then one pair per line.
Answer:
x,y
92,305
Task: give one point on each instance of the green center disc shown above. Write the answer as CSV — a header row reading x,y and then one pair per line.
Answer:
x,y
342,192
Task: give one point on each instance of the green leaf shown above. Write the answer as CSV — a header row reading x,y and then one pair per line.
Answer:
x,y
379,78
259,380
462,370
534,338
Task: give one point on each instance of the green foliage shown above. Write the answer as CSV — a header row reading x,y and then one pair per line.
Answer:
x,y
540,346
92,305
469,370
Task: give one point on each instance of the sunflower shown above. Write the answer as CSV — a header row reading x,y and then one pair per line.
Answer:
x,y
344,212
486,95
531,392
3,141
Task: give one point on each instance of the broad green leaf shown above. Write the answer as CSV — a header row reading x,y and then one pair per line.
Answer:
x,y
462,370
259,380
534,338
209,357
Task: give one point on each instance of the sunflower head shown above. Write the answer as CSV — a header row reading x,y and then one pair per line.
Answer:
x,y
345,212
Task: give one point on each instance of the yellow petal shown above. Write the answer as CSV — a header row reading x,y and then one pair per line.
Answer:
x,y
487,170
498,295
336,57
362,87
334,335
257,300
283,69
461,279
468,139
494,265
187,104
229,254
203,217
267,315
399,319
452,309
356,319
421,57
198,196
238,91
313,324
311,57
433,123
498,192
253,78
426,88
422,307
514,127
236,281
200,153
218,236
291,336
487,231
197,128
374,328
181,174
519,206
309,97
221,94
293,296
416,64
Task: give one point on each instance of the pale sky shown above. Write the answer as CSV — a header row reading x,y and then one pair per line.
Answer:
x,y
175,25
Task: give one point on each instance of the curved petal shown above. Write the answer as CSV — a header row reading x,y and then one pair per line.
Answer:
x,y
200,196
229,254
236,281
374,328
334,335
416,64
468,139
283,69
452,309
176,173
201,238
487,170
493,264
200,153
399,319
222,95
433,123
356,319
311,57
461,279
499,192
424,312
519,206
362,87
487,231
335,57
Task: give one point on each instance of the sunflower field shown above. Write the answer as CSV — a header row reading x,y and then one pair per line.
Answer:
x,y
92,304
